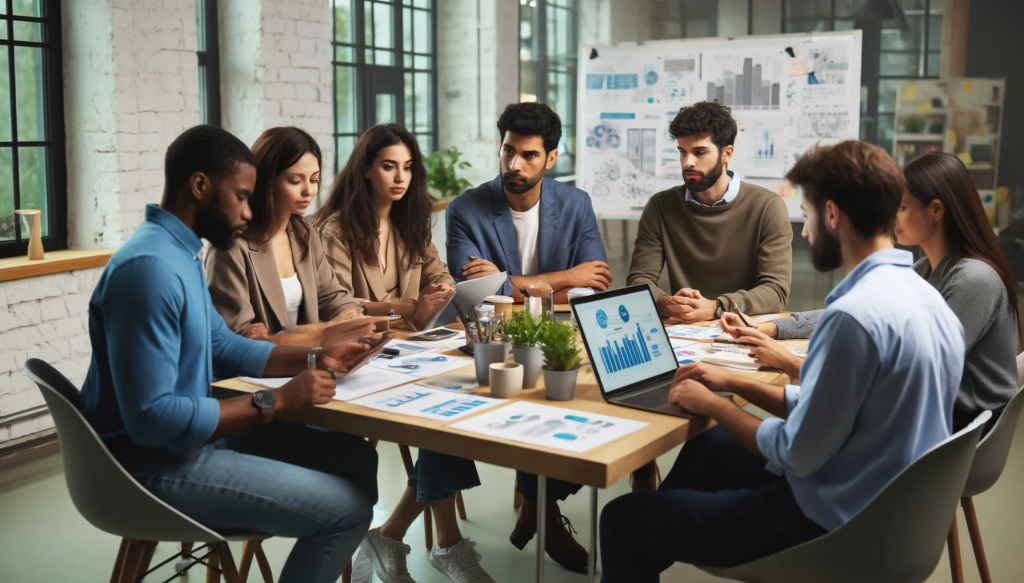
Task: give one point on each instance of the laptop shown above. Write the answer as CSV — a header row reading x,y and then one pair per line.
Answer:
x,y
629,349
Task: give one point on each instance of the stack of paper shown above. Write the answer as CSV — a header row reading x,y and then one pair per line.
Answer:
x,y
362,382
732,361
694,332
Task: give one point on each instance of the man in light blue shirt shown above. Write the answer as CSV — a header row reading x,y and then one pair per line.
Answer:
x,y
157,342
876,392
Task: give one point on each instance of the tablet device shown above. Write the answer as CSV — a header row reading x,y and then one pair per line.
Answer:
x,y
377,345
468,294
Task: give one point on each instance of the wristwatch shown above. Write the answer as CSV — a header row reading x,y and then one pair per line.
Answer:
x,y
311,358
265,401
718,310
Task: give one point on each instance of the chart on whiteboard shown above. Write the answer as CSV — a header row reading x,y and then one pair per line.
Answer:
x,y
788,94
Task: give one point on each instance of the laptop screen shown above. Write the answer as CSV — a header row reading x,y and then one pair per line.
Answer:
x,y
624,337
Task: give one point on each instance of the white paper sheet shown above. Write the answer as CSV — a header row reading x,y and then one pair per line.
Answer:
x,y
421,365
430,403
456,382
362,382
554,427
406,347
694,332
766,317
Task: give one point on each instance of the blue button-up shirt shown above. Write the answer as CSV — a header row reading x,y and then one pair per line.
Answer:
x,y
156,340
876,391
730,193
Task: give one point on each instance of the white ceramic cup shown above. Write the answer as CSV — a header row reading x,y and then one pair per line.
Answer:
x,y
506,380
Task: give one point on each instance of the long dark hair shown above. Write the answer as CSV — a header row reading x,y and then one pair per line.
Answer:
x,y
351,201
964,224
277,150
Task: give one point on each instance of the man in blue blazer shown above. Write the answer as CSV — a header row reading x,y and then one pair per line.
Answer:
x,y
539,231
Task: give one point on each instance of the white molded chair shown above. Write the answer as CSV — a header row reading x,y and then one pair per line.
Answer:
x,y
897,538
112,501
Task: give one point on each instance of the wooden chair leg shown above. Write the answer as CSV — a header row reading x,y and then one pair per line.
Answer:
x,y
227,562
147,557
186,550
517,498
460,505
956,567
263,563
212,574
346,575
975,532
115,576
245,563
406,459
130,569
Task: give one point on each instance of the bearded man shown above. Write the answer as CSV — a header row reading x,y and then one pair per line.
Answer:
x,y
722,240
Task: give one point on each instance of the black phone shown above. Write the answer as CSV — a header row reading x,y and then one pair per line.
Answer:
x,y
439,334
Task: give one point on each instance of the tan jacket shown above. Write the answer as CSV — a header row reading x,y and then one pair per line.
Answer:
x,y
246,287
367,282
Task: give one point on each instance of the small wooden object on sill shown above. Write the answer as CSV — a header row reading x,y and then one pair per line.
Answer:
x,y
35,243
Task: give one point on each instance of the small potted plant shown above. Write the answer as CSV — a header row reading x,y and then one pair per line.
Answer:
x,y
563,360
526,333
442,178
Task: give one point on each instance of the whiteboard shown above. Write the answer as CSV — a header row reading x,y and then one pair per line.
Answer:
x,y
784,105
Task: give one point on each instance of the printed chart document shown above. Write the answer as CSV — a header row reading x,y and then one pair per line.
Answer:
x,y
420,365
459,383
553,427
362,382
429,403
694,332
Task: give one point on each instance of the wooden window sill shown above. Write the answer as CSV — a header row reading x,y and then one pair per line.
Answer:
x,y
53,262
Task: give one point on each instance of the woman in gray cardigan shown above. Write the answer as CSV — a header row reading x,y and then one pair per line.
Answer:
x,y
941,211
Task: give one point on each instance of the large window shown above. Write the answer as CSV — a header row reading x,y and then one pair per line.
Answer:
x,y
547,67
209,61
32,171
385,70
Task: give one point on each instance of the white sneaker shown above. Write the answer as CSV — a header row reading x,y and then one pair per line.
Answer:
x,y
460,563
388,557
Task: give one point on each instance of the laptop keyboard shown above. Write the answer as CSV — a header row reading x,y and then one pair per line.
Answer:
x,y
653,398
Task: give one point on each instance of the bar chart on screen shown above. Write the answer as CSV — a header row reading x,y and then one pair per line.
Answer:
x,y
625,339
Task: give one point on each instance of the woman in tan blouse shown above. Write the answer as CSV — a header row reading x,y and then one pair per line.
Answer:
x,y
276,278
376,233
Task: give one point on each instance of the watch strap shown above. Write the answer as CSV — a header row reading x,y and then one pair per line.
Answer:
x,y
311,358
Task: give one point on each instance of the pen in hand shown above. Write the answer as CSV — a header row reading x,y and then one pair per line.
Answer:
x,y
743,318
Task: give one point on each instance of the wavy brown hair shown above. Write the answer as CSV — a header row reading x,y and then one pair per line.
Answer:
x,y
964,224
277,150
351,201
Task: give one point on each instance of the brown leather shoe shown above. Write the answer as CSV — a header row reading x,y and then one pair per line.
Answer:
x,y
650,484
559,544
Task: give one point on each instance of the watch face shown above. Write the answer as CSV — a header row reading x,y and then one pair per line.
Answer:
x,y
263,399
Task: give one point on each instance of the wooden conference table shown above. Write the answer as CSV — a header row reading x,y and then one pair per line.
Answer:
x,y
599,467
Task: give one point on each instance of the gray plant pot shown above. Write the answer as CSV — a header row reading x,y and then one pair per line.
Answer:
x,y
560,385
486,354
532,359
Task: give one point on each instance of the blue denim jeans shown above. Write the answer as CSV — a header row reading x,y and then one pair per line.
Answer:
x,y
437,476
280,479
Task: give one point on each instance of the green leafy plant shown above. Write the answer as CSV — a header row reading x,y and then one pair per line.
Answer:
x,y
914,124
442,176
525,330
559,346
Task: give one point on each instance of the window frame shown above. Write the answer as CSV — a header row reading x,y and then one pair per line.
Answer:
x,y
54,142
210,59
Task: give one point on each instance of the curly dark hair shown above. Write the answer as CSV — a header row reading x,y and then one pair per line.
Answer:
x,y
351,201
532,119
861,178
204,148
277,150
705,118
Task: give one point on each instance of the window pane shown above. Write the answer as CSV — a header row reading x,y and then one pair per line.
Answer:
x,y
204,92
383,25
32,178
887,89
407,60
407,30
26,8
345,103
201,25
934,64
6,196
806,25
27,31
343,32
767,16
426,142
410,104
815,9
886,132
732,18
899,64
343,147
422,20
386,108
344,54
422,62
421,3
5,98
384,58
424,107
28,78
935,34
368,23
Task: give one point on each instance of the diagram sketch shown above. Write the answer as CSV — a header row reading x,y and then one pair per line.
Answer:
x,y
824,124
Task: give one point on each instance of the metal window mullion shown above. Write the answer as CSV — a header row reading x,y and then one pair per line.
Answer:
x,y
541,49
433,75
927,25
15,170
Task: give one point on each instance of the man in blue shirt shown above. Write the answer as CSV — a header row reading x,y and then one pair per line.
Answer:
x,y
157,342
876,392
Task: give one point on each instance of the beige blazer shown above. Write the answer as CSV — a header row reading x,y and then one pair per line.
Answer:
x,y
367,282
246,287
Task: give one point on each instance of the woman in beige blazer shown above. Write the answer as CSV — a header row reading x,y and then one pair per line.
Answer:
x,y
376,232
276,277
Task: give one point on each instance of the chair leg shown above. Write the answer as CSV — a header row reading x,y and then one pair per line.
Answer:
x,y
227,562
346,575
245,563
148,549
956,566
460,505
406,459
263,563
212,573
517,498
130,569
975,532
115,576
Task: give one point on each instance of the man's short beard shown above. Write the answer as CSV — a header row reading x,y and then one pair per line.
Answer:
x,y
214,226
528,184
708,180
826,253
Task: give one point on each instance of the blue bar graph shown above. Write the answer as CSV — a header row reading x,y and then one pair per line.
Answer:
x,y
632,352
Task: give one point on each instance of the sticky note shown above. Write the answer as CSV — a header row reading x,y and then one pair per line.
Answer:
x,y
910,93
967,86
965,157
951,137
797,67
924,107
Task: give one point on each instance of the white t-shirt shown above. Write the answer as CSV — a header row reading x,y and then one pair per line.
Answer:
x,y
527,225
292,297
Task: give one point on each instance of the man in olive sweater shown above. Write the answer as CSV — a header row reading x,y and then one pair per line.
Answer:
x,y
722,240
